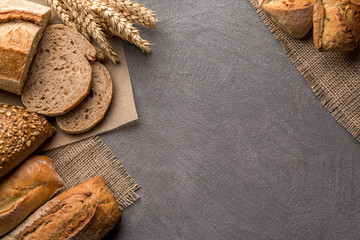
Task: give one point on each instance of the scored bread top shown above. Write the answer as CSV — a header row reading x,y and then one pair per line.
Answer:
x,y
24,10
60,76
93,109
289,3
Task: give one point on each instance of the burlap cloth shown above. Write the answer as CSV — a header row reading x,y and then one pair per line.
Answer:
x,y
86,159
334,77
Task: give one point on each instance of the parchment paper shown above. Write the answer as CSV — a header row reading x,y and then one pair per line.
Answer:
x,y
122,109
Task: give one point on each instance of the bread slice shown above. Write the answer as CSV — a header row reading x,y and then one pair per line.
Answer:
x,y
24,10
294,16
336,25
25,189
93,109
60,76
87,211
19,40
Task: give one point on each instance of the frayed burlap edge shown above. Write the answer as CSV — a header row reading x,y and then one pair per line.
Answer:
x,y
330,103
91,157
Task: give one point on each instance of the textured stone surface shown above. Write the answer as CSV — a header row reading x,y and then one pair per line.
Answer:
x,y
231,141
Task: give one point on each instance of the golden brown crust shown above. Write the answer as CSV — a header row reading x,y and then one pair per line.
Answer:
x,y
336,25
92,208
21,133
25,189
24,10
18,41
293,16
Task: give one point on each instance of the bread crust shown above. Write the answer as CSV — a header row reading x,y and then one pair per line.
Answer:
x,y
91,200
11,10
25,189
336,25
21,133
294,17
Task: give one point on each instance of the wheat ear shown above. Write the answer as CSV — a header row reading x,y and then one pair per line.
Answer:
x,y
136,12
60,9
94,29
121,26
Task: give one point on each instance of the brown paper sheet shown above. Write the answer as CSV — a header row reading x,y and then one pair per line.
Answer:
x,y
122,109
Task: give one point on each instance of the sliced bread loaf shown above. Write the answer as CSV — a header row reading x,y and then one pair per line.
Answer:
x,y
93,109
19,40
60,76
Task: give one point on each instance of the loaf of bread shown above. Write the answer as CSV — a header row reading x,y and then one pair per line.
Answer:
x,y
21,133
25,189
87,211
93,109
19,40
336,25
294,16
60,75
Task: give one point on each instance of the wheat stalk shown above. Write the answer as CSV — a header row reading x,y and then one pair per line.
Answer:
x,y
135,12
117,22
60,9
93,28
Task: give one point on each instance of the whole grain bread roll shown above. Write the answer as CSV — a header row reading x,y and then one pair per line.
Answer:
x,y
294,16
21,133
25,189
336,25
87,211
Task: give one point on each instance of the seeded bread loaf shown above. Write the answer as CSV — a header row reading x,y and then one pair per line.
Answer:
x,y
25,189
21,133
294,16
93,109
87,211
18,40
336,25
60,75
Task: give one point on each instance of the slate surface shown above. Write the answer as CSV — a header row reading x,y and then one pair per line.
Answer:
x,y
231,141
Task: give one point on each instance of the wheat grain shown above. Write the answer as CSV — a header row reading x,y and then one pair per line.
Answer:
x,y
60,9
117,22
136,12
93,28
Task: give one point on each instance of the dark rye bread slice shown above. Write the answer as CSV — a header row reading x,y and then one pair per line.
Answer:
x,y
60,75
93,109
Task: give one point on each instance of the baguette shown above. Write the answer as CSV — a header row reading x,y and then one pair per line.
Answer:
x,y
294,16
21,133
336,25
87,211
25,189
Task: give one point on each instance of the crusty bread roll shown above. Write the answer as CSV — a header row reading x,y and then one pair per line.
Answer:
x,y
293,16
19,40
87,211
336,25
25,189
21,133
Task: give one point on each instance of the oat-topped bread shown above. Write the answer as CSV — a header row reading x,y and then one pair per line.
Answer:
x,y
336,25
93,109
24,10
19,40
293,16
21,133
25,189
87,211
60,75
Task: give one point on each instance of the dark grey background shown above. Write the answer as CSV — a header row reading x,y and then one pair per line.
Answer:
x,y
231,142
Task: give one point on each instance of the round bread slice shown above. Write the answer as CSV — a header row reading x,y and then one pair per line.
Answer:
x,y
93,109
60,75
